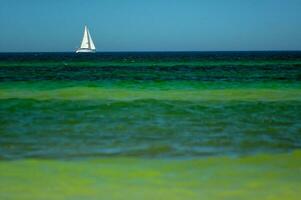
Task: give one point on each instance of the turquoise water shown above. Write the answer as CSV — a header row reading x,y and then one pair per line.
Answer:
x,y
186,125
147,128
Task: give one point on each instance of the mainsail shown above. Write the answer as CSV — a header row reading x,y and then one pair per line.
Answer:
x,y
87,45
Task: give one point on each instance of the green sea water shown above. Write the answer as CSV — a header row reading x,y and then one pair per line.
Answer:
x,y
150,125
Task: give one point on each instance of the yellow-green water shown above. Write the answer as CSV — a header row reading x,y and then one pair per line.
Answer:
x,y
98,93
265,177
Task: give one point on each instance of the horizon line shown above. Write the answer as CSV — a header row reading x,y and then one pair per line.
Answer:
x,y
156,51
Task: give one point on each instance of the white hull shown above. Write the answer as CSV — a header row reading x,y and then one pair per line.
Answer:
x,y
85,51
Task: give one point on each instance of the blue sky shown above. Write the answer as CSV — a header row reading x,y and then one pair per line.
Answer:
x,y
151,25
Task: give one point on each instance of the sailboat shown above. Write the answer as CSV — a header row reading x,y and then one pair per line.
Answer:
x,y
87,45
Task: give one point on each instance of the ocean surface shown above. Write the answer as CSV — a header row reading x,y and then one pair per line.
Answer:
x,y
152,125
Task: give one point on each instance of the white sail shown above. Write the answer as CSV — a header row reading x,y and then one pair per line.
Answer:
x,y
92,46
85,41
87,45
